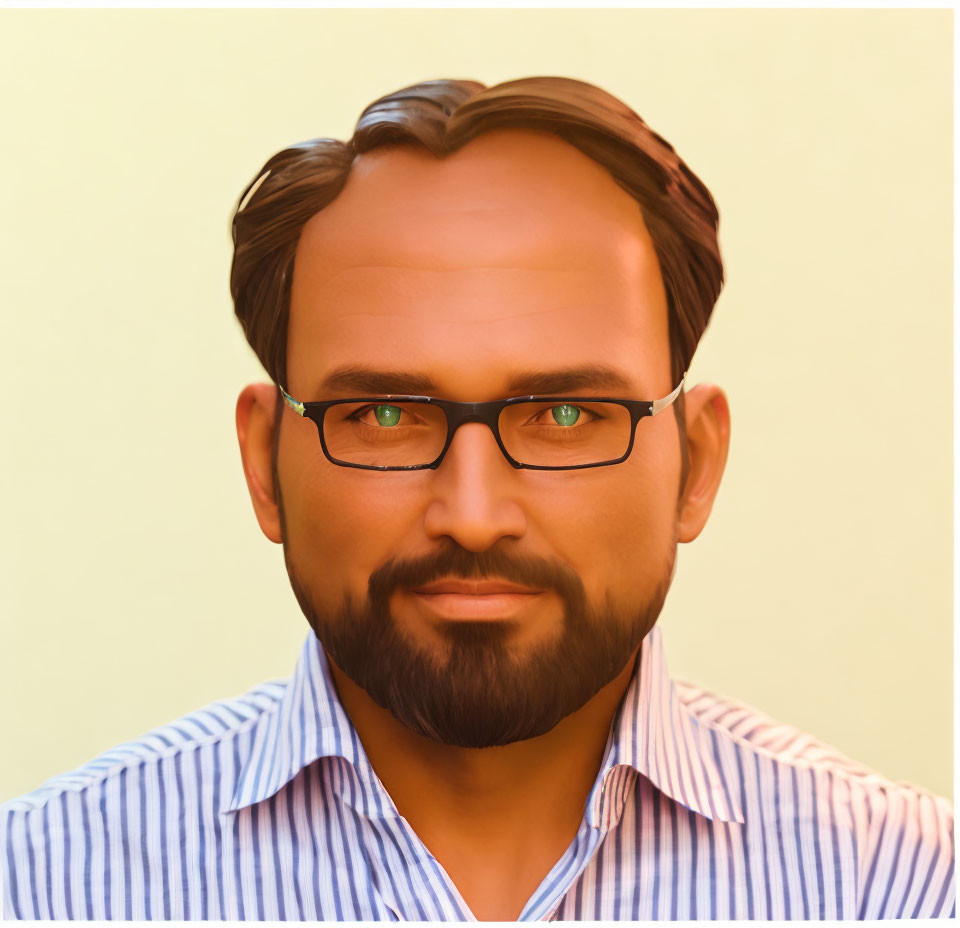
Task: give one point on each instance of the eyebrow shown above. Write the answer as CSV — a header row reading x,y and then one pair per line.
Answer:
x,y
362,380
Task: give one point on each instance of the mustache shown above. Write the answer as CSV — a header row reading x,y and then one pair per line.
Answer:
x,y
451,560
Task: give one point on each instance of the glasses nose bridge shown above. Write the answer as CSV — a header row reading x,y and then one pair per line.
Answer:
x,y
460,413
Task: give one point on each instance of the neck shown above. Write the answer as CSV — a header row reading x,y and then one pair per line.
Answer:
x,y
513,804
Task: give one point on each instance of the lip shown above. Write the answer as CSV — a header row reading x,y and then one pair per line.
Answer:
x,y
471,606
475,588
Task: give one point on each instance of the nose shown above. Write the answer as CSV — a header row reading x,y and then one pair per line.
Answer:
x,y
475,493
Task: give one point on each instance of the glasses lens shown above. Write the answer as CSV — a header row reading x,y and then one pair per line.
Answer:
x,y
565,434
385,434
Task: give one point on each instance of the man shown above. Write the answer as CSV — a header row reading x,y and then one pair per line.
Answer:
x,y
479,455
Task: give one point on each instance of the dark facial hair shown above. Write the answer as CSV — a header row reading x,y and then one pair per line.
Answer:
x,y
479,691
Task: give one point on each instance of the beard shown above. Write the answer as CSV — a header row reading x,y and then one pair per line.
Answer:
x,y
477,690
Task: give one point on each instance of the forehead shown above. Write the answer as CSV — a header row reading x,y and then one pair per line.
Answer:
x,y
516,249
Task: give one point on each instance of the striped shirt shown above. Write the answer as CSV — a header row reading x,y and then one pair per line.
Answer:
x,y
266,807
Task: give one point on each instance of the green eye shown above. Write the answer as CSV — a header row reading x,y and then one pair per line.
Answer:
x,y
387,415
565,414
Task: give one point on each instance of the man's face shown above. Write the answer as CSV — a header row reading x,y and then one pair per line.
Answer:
x,y
518,253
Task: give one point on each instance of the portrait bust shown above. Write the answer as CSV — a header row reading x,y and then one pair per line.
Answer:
x,y
479,452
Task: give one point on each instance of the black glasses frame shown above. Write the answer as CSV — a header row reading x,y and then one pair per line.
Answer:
x,y
486,412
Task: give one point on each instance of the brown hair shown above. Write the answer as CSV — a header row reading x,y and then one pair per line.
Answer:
x,y
442,116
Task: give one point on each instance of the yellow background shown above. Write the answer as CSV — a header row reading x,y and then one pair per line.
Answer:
x,y
136,585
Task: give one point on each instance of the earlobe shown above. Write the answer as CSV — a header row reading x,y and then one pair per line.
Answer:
x,y
255,425
708,438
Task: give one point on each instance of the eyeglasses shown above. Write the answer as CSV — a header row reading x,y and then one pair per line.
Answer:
x,y
399,432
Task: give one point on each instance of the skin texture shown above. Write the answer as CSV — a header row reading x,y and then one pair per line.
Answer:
x,y
517,252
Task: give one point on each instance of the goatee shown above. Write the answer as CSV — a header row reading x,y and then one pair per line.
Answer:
x,y
479,689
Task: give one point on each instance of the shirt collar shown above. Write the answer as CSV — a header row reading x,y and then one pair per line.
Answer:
x,y
656,735
307,723
653,733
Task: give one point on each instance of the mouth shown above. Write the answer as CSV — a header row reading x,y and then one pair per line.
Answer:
x,y
475,588
483,599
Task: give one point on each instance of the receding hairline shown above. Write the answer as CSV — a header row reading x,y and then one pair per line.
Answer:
x,y
569,203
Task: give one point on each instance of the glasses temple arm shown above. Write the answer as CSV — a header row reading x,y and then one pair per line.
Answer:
x,y
659,405
295,405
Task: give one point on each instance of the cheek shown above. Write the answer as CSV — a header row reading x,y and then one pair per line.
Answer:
x,y
321,500
337,531
622,529
631,534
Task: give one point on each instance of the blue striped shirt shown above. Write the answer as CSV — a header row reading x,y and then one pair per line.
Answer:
x,y
266,807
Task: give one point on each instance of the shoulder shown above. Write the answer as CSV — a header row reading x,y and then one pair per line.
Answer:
x,y
899,835
759,733
213,723
124,809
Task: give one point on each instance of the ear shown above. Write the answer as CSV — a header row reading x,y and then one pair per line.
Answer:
x,y
255,425
708,438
